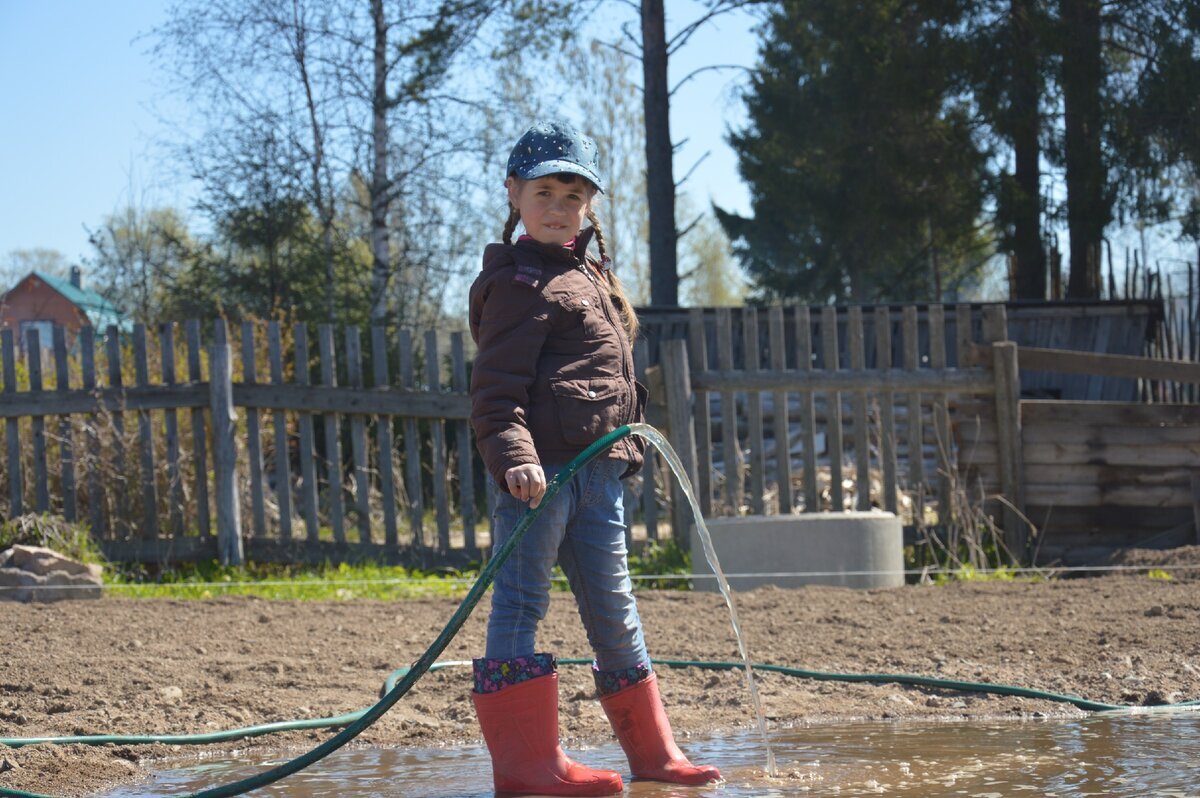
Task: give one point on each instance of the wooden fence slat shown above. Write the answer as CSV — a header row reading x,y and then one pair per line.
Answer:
x,y
283,461
462,429
121,464
145,438
41,471
66,444
757,458
358,438
333,440
224,432
915,437
783,459
887,412
87,362
697,363
412,448
677,384
385,443
166,345
730,449
191,330
862,452
308,463
650,468
964,336
258,510
833,428
437,428
941,417
808,420
12,428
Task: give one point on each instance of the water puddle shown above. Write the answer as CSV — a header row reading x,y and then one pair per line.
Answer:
x,y
1111,755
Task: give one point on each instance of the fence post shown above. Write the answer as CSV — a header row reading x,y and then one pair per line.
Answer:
x,y
1009,449
220,387
678,384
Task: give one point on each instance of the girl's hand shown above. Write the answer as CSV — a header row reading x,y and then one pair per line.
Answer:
x,y
526,482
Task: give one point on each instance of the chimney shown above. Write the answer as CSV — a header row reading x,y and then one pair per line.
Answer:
x,y
77,277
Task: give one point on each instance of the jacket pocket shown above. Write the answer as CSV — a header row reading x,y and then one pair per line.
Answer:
x,y
588,408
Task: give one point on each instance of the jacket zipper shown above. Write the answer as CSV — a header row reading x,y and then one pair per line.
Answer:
x,y
583,267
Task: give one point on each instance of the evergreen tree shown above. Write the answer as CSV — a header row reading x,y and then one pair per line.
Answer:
x,y
867,183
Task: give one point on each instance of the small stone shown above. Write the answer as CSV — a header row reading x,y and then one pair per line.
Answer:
x,y
136,644
171,695
7,764
1155,611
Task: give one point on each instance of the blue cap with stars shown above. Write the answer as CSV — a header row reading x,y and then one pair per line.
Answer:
x,y
550,148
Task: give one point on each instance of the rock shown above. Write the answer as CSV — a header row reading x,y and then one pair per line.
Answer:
x,y
170,695
38,574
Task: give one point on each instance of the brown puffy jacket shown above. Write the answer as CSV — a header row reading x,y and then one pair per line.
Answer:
x,y
554,369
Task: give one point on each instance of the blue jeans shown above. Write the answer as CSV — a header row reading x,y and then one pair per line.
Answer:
x,y
583,528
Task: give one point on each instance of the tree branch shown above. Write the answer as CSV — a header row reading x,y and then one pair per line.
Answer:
x,y
696,72
683,179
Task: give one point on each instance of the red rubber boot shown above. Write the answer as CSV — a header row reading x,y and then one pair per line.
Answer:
x,y
640,722
520,726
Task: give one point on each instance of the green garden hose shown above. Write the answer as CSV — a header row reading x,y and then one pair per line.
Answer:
x,y
402,680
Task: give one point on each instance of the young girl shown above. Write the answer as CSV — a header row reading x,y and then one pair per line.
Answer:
x,y
553,373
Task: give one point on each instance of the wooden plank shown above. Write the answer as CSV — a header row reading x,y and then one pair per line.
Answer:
x,y
462,434
437,428
995,324
1065,361
1050,452
914,438
333,440
224,433
87,363
350,401
385,443
1009,451
730,448
258,508
698,363
1129,414
783,459
308,460
199,435
932,381
941,417
66,444
12,427
358,438
175,500
650,468
862,452
145,437
887,413
1100,437
677,383
1074,473
41,471
412,448
115,380
833,427
283,468
1119,494
112,400
757,457
963,335
808,421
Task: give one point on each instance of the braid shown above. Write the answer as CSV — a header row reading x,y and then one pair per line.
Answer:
x,y
616,291
514,216
595,220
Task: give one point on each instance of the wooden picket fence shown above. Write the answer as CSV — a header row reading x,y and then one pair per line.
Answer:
x,y
314,457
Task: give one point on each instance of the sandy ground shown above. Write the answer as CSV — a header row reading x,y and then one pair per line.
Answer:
x,y
162,666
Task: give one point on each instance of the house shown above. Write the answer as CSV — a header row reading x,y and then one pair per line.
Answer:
x,y
42,302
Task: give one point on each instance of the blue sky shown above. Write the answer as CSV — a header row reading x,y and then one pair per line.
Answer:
x,y
83,112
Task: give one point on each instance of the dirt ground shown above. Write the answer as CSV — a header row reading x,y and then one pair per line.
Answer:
x,y
163,666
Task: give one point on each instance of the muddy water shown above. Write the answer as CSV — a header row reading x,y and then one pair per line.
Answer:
x,y
1115,755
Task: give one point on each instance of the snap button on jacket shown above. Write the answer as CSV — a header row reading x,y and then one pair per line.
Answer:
x,y
554,369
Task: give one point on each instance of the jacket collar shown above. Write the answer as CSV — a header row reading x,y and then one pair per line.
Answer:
x,y
554,253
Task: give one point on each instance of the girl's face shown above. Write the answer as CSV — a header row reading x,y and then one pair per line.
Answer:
x,y
553,211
